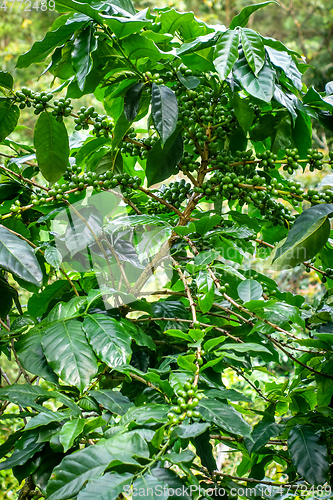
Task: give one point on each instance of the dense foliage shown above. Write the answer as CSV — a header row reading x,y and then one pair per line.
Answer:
x,y
146,241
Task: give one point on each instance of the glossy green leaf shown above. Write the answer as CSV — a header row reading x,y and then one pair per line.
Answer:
x,y
79,233
64,310
17,257
69,354
6,80
112,400
307,236
243,17
164,109
30,352
132,101
9,115
226,52
224,416
186,431
74,470
254,49
137,47
162,161
123,27
45,419
84,43
308,453
107,487
53,257
83,8
153,487
249,290
24,450
39,303
261,434
70,431
7,294
204,450
52,146
245,347
261,87
171,20
41,49
109,339
244,114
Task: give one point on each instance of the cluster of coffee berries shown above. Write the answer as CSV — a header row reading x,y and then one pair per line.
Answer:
x,y
102,124
156,77
315,158
187,399
139,147
28,97
62,107
16,206
292,158
177,192
267,160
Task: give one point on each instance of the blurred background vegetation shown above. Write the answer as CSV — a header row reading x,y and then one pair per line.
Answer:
x,y
303,25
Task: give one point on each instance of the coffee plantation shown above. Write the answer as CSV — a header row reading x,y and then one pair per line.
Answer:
x,y
142,240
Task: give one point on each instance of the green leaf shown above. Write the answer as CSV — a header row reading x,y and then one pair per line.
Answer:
x,y
254,49
246,347
7,294
30,352
164,109
306,237
107,487
84,44
43,419
39,303
224,416
9,115
262,86
83,8
249,290
120,129
200,43
6,80
41,49
17,257
137,47
52,146
244,113
112,400
109,339
78,234
132,101
161,161
123,27
171,20
65,309
127,5
262,433
152,486
243,17
308,453
23,394
69,354
53,257
70,431
74,470
186,431
204,450
226,52
24,450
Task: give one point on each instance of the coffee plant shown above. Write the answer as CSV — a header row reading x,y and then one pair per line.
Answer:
x,y
140,242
